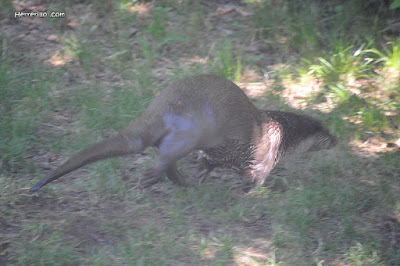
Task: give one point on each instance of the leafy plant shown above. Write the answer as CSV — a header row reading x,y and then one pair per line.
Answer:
x,y
395,4
372,117
227,64
79,48
342,64
158,26
362,255
391,57
340,93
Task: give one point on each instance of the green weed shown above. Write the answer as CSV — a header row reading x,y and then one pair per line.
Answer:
x,y
342,64
194,17
340,93
72,46
158,25
227,247
391,57
395,4
281,238
390,73
228,64
79,48
372,117
126,17
144,69
362,255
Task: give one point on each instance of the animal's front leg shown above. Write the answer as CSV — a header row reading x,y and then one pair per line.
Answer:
x,y
255,176
203,169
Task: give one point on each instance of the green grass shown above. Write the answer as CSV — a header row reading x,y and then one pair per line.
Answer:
x,y
391,56
322,212
310,27
24,98
158,25
49,251
99,113
361,255
228,64
330,207
7,5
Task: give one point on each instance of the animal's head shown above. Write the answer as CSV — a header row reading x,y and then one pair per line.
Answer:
x,y
323,140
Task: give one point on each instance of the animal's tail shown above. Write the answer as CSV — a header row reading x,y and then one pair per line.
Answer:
x,y
114,146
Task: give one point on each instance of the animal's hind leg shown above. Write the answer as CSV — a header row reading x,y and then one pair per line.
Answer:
x,y
171,148
174,175
155,175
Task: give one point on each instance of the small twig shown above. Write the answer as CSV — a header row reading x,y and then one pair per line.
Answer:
x,y
319,248
28,195
80,242
36,237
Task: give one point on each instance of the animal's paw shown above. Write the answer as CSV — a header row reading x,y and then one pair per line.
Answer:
x,y
151,177
202,171
200,175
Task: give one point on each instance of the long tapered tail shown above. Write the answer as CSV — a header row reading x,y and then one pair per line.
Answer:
x,y
112,147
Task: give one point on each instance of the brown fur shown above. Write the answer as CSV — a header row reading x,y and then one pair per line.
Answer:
x,y
211,114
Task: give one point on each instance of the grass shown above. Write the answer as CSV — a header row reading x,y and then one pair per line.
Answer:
x,y
324,208
390,57
23,106
48,251
343,73
228,64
